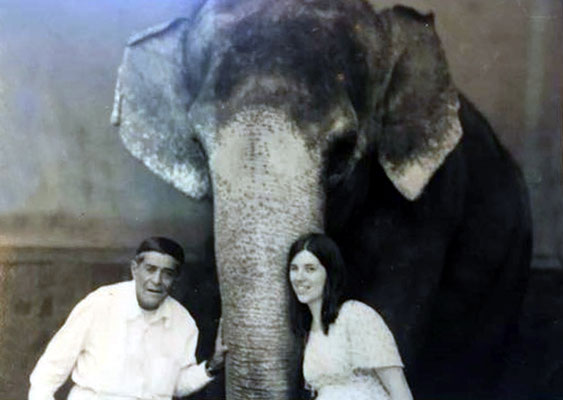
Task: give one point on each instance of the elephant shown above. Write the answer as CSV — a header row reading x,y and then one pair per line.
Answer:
x,y
293,116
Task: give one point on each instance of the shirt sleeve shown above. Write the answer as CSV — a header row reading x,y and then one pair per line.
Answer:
x,y
372,343
193,376
58,360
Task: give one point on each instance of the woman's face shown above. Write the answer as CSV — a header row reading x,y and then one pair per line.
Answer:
x,y
307,276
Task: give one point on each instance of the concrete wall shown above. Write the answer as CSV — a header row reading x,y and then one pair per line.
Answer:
x,y
66,179
73,202
37,298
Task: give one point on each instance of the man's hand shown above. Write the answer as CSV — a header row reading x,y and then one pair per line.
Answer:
x,y
217,361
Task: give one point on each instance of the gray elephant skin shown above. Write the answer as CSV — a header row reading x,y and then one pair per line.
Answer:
x,y
294,116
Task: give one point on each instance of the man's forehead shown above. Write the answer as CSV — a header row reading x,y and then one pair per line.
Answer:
x,y
158,259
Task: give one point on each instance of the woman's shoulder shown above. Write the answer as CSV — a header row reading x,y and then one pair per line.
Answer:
x,y
352,307
360,315
372,343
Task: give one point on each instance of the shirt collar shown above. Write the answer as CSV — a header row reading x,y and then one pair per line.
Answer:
x,y
134,311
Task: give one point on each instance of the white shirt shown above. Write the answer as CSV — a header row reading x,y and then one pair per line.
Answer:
x,y
118,351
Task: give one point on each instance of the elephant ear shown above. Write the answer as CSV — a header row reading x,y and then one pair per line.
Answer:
x,y
420,123
153,95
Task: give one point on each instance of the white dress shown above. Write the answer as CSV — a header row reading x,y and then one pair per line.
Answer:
x,y
358,338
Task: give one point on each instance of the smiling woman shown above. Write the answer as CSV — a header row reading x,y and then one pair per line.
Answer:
x,y
307,278
363,361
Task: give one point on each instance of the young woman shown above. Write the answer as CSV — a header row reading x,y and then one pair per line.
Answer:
x,y
349,351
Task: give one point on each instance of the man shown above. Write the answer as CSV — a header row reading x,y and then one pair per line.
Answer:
x,y
129,340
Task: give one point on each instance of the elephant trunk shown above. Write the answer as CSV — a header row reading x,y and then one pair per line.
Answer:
x,y
254,292
258,213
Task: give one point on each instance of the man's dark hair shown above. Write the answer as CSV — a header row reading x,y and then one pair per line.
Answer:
x,y
328,254
162,245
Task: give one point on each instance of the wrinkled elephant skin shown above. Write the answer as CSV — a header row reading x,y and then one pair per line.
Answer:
x,y
298,116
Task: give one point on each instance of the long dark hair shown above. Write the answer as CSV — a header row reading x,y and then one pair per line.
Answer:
x,y
328,253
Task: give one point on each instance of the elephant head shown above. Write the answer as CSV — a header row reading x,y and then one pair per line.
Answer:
x,y
267,106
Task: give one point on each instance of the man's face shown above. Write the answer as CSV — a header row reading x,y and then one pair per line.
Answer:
x,y
154,274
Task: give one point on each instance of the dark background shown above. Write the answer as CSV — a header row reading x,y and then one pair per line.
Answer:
x,y
73,202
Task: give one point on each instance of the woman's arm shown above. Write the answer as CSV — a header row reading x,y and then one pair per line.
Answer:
x,y
394,381
372,345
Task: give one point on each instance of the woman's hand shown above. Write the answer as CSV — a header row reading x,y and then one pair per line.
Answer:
x,y
393,381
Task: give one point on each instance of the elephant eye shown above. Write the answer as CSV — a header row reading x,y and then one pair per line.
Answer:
x,y
340,155
197,146
197,150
